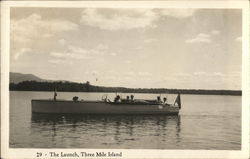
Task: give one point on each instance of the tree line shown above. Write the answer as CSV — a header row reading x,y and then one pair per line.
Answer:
x,y
87,87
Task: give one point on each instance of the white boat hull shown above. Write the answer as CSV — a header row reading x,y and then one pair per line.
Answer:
x,y
100,107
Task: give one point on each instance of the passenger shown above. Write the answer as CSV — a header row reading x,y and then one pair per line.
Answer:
x,y
132,97
158,99
75,98
127,98
117,98
164,99
55,94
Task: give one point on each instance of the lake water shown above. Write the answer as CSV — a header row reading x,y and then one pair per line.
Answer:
x,y
206,122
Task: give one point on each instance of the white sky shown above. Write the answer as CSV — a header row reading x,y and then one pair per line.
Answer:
x,y
141,48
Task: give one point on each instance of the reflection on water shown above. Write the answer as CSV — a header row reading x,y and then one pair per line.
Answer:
x,y
114,129
103,119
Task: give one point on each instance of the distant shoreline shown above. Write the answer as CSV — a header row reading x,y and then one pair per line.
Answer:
x,y
236,94
86,87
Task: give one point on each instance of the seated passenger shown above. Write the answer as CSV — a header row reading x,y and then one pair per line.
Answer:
x,y
117,98
159,99
164,100
132,97
75,98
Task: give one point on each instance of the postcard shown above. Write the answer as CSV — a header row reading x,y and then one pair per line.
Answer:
x,y
124,79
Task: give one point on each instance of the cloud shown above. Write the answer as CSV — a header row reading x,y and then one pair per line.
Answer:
x,y
57,61
93,72
113,54
118,19
215,32
47,35
110,77
204,37
62,41
235,74
129,74
178,13
24,30
210,74
218,74
183,75
79,53
99,50
145,74
70,55
76,49
200,38
102,47
21,52
238,39
112,72
149,40
139,48
126,19
200,73
128,61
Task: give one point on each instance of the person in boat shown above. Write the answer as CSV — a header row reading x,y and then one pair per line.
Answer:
x,y
55,94
132,97
159,99
164,100
125,100
117,99
75,98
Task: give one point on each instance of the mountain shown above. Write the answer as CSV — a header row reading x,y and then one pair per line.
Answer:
x,y
19,77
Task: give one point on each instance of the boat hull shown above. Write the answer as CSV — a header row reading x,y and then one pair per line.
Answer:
x,y
99,107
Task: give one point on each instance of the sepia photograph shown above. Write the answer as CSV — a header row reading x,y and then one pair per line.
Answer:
x,y
98,80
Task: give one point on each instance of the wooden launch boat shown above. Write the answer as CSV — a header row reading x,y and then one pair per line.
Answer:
x,y
105,106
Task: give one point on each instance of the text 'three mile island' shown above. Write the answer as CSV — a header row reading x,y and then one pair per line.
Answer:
x,y
85,154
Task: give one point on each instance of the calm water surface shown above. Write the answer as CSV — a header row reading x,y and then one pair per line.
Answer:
x,y
205,122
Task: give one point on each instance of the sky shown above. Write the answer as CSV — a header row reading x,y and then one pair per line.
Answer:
x,y
132,47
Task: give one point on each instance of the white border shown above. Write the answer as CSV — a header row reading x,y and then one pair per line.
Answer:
x,y
133,153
